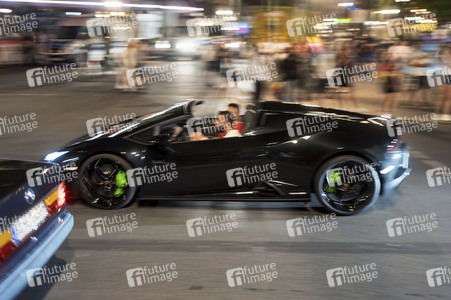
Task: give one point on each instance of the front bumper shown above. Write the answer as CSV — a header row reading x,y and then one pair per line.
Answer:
x,y
398,166
35,253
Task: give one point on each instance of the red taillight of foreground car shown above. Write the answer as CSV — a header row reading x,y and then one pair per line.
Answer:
x,y
56,199
61,195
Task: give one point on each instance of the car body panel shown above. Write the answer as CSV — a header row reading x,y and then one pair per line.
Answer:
x,y
202,165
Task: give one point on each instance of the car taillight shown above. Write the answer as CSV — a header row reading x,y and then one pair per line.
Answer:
x,y
56,199
61,195
394,146
6,244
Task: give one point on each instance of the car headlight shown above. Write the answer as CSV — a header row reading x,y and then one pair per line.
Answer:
x,y
162,45
186,46
54,155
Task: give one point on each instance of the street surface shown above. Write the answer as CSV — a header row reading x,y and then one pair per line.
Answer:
x,y
261,238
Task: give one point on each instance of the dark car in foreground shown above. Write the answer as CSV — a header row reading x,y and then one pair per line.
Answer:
x,y
34,221
287,152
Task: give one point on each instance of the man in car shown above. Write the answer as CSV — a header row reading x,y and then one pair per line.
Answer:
x,y
224,121
237,124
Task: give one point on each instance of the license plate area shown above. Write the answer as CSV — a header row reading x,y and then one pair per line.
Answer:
x,y
28,223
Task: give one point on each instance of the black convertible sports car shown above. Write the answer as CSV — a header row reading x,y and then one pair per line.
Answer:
x,y
287,152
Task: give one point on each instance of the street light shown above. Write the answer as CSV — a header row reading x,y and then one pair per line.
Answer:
x,y
388,11
113,4
224,12
344,4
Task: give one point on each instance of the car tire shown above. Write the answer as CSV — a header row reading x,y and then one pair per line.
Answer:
x,y
102,182
332,195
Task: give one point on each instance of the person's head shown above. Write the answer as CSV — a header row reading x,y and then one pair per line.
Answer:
x,y
234,109
224,120
132,43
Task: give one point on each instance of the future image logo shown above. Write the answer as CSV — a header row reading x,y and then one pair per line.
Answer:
x,y
109,225
18,123
349,275
150,275
395,27
113,124
17,24
413,124
438,176
209,225
239,77
35,177
153,174
349,175
394,127
350,75
439,76
308,125
438,276
251,175
51,275
51,75
309,25
399,26
198,27
304,225
408,225
249,275
139,77
50,175
104,26
208,125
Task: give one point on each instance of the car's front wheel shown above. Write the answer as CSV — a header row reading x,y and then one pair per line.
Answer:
x,y
102,182
347,184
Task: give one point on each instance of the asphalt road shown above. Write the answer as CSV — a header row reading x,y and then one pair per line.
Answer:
x,y
160,235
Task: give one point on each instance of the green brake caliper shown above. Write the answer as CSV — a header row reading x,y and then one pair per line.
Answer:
x,y
121,183
333,178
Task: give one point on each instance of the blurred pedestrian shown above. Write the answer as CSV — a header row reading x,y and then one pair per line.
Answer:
x,y
346,59
417,66
389,82
289,69
321,64
444,105
129,61
211,63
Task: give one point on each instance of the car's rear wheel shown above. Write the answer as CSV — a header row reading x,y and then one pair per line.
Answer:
x,y
347,184
102,182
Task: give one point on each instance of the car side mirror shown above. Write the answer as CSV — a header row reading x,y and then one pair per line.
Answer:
x,y
161,139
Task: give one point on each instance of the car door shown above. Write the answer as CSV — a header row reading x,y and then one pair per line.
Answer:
x,y
213,165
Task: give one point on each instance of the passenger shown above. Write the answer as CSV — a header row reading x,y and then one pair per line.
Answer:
x,y
224,121
237,124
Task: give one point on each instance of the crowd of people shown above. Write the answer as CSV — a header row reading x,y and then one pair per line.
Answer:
x,y
401,69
